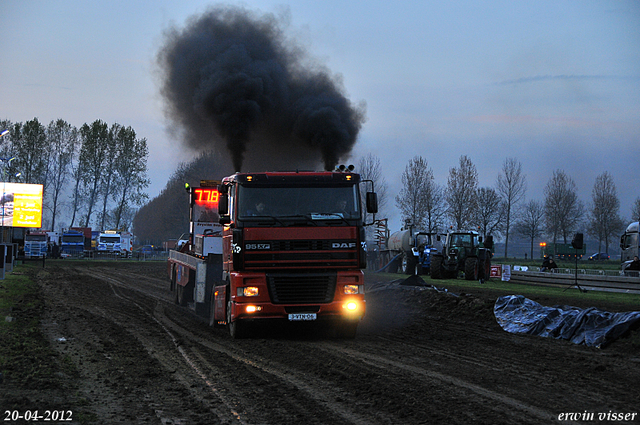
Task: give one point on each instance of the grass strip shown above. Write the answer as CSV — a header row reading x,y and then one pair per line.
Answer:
x,y
547,295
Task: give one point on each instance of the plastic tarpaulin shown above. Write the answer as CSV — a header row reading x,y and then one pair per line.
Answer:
x,y
592,327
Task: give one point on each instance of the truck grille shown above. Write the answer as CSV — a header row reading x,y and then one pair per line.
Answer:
x,y
302,254
312,288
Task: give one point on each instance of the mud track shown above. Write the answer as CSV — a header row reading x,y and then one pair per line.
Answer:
x,y
420,357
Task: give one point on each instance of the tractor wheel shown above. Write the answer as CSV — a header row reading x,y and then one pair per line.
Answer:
x,y
471,268
408,264
436,267
393,267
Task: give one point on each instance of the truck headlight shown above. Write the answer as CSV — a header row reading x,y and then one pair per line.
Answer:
x,y
351,290
248,291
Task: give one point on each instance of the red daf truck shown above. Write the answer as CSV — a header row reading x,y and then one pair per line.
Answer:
x,y
289,246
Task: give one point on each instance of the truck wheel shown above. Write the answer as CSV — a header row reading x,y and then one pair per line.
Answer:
x,y
436,267
212,311
181,298
471,268
347,329
237,329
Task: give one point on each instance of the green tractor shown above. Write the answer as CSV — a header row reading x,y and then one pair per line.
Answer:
x,y
463,251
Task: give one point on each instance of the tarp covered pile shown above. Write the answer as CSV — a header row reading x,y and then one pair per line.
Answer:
x,y
592,327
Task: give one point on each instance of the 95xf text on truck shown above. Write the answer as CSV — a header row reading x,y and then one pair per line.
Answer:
x,y
270,246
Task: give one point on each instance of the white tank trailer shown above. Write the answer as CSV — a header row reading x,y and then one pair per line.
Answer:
x,y
413,259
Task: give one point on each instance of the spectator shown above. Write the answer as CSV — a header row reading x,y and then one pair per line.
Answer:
x,y
548,264
635,264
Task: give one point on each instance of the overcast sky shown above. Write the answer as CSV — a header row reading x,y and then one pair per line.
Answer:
x,y
555,84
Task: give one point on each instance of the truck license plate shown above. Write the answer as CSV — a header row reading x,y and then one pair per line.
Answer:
x,y
302,316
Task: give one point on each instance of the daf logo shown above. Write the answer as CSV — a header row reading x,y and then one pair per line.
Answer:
x,y
343,245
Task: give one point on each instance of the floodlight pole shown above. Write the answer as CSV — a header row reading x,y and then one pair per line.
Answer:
x,y
4,174
5,163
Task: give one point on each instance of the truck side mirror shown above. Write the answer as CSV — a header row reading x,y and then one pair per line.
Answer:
x,y
223,205
372,202
223,200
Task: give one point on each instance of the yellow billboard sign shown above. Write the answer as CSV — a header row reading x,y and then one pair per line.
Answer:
x,y
21,205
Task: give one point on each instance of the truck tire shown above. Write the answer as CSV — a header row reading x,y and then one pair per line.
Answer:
x,y
347,329
181,296
212,311
436,267
172,282
237,329
471,268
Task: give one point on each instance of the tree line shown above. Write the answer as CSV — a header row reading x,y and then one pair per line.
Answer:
x,y
502,210
92,176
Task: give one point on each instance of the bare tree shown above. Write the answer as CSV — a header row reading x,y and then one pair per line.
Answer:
x,y
635,210
411,199
62,138
511,186
30,149
369,168
107,184
93,153
131,175
435,205
491,212
563,209
604,214
461,193
529,225
5,141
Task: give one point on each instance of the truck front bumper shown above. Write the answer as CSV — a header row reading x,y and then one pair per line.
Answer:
x,y
347,309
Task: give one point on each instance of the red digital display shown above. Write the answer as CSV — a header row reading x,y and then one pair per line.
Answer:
x,y
206,196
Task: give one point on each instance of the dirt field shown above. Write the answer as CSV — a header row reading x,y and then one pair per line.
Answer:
x,y
127,354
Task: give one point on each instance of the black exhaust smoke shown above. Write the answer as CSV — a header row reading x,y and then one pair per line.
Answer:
x,y
230,79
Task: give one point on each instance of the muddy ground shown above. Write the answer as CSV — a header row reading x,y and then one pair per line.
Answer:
x,y
124,353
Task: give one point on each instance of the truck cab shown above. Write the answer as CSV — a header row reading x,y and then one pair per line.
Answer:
x,y
109,242
35,244
629,244
293,248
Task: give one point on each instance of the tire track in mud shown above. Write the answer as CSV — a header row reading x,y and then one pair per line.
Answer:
x,y
230,414
395,367
323,394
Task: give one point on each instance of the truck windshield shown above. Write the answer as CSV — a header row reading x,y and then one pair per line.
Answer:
x,y
73,238
37,238
314,203
109,239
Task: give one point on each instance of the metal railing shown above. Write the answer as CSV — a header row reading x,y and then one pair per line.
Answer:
x,y
139,256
